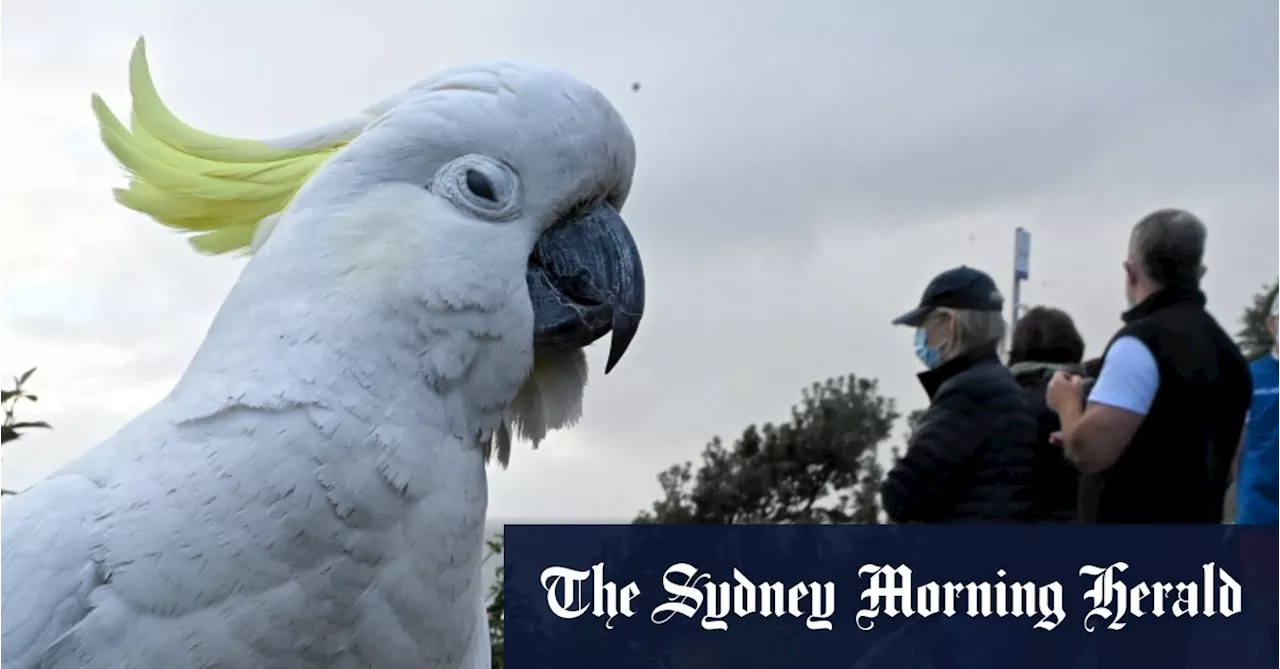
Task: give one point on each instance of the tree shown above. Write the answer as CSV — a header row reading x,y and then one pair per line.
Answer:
x,y
1253,337
9,431
497,639
9,401
818,467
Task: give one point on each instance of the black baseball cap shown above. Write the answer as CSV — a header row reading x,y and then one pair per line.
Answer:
x,y
960,288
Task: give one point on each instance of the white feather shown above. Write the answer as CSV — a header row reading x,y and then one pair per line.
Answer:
x,y
549,400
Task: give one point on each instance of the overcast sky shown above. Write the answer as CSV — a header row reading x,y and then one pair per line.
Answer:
x,y
803,172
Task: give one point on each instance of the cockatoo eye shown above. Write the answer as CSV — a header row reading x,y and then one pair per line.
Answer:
x,y
481,186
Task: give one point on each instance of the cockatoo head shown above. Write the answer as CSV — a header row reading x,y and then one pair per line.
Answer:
x,y
522,167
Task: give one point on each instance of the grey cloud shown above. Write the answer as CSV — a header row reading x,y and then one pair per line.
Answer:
x,y
777,118
859,110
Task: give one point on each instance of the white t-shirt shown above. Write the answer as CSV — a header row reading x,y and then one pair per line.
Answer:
x,y
1129,378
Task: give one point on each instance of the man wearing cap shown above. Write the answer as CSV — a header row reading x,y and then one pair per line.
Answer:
x,y
1164,418
1259,467
970,456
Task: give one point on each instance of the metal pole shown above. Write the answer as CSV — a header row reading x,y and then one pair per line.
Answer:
x,y
1021,270
1017,297
1013,312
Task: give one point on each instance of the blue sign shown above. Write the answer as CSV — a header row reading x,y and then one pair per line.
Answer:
x,y
890,596
1021,254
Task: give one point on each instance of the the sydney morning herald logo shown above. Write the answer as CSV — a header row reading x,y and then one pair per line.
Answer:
x,y
1111,601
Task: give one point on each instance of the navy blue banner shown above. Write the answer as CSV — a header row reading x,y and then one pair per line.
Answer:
x,y
848,596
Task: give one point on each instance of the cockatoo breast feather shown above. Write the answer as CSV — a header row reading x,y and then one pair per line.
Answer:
x,y
368,493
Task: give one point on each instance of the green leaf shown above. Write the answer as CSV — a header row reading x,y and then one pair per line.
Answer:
x,y
30,398
37,423
7,433
8,394
26,375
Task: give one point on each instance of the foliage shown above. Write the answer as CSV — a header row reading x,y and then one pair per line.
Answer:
x,y
497,640
819,467
1253,337
10,430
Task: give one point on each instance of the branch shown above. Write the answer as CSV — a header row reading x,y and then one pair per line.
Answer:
x,y
818,490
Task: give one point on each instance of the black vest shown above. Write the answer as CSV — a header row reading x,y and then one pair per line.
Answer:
x,y
1176,467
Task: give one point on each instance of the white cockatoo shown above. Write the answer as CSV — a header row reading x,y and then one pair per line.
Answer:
x,y
312,493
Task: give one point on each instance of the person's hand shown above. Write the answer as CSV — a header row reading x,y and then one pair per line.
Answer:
x,y
1064,390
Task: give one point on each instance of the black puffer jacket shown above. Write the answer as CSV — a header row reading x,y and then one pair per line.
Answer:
x,y
1057,482
970,459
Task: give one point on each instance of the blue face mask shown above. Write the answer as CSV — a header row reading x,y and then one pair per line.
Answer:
x,y
927,354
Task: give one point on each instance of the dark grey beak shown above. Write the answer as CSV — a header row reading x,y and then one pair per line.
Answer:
x,y
585,280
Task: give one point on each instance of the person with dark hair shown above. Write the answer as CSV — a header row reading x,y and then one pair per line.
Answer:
x,y
1044,334
1046,341
1165,415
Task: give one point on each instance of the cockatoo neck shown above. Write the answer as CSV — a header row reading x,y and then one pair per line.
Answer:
x,y
353,313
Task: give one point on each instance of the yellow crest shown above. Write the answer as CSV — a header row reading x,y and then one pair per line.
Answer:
x,y
217,189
